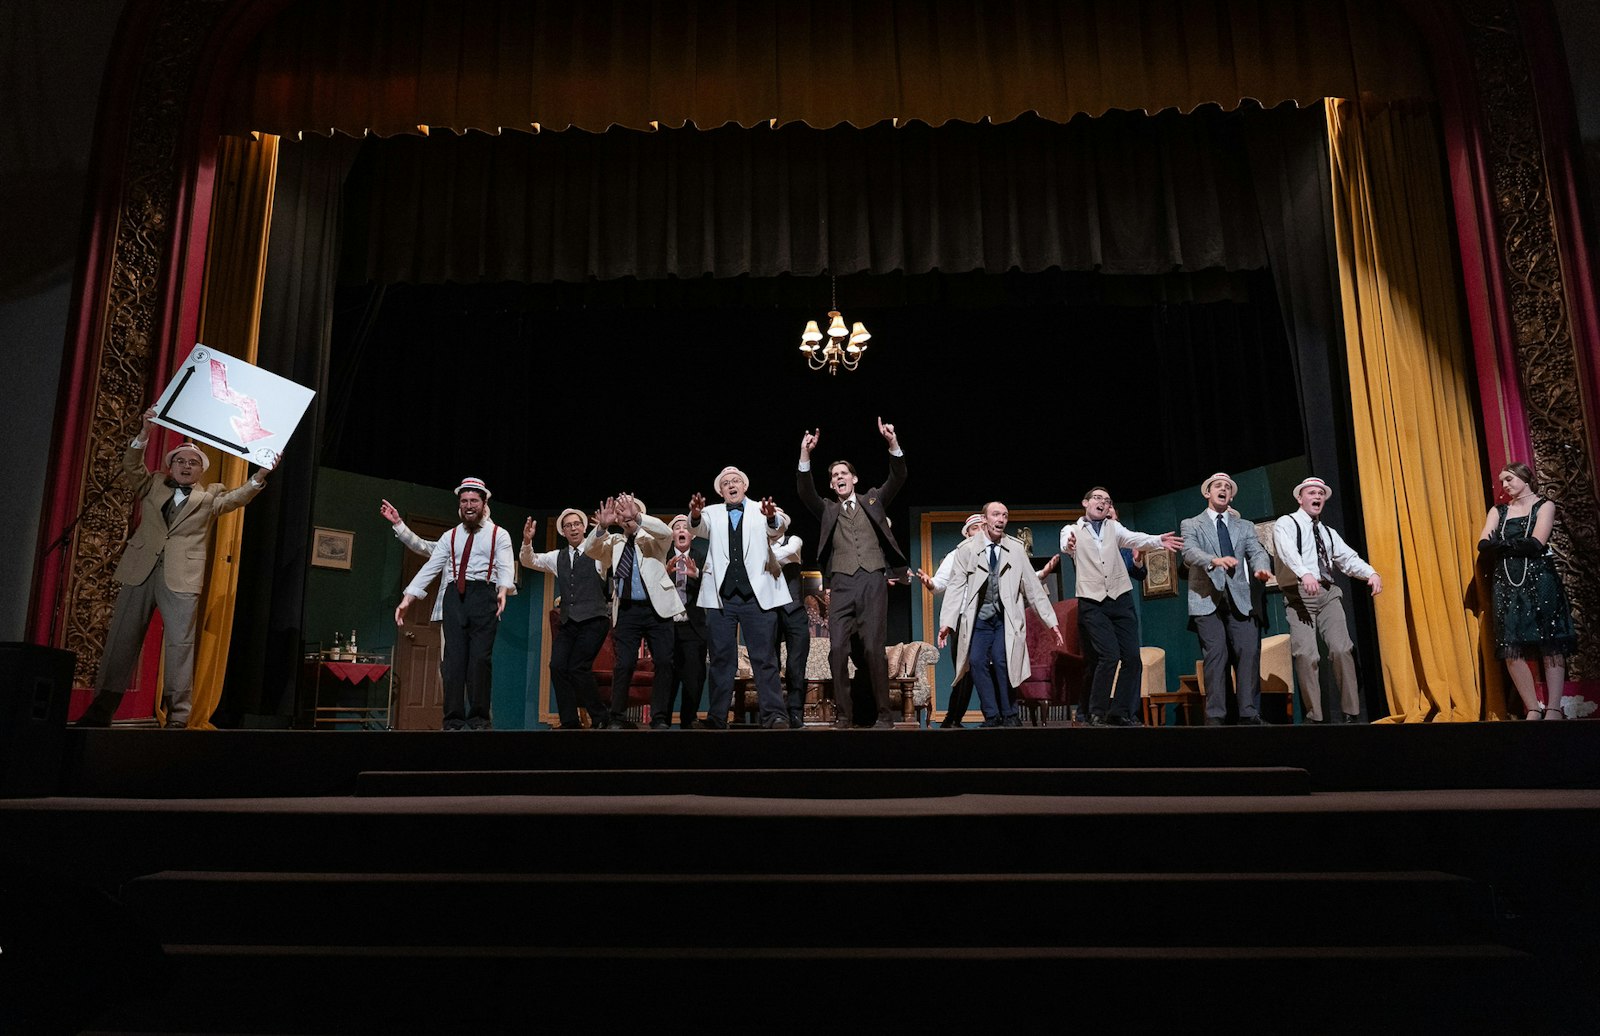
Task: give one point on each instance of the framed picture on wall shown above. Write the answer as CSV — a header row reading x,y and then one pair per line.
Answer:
x,y
1162,580
332,548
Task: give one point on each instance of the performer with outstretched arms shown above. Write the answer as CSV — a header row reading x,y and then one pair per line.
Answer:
x,y
644,601
163,569
482,570
992,584
858,555
742,588
584,622
1308,554
1106,618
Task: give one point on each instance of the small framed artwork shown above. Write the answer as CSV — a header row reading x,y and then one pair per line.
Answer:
x,y
332,548
1162,580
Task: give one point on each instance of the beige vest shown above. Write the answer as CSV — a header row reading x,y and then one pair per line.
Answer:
x,y
1101,573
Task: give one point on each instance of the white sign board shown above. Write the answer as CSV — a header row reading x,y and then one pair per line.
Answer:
x,y
233,405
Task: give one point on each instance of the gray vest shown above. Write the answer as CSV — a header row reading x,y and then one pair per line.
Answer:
x,y
989,595
583,590
855,543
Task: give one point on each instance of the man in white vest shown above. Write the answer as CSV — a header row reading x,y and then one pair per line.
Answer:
x,y
1106,619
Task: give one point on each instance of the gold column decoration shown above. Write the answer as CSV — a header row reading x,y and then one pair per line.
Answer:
x,y
141,243
1543,346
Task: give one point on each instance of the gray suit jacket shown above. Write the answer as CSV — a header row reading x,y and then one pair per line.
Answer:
x,y
1209,586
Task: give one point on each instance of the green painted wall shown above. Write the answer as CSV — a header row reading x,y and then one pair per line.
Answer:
x,y
364,597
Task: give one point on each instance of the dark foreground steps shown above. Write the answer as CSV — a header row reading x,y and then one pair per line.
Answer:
x,y
787,952
845,783
562,912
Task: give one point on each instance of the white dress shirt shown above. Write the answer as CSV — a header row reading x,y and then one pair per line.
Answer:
x,y
480,563
1295,563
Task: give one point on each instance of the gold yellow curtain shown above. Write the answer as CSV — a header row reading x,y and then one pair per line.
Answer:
x,y
230,311
1411,401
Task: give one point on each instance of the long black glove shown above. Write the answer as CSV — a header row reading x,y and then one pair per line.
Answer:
x,y
1524,547
1492,546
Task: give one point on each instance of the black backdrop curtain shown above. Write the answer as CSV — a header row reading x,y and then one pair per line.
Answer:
x,y
1124,193
296,318
1000,388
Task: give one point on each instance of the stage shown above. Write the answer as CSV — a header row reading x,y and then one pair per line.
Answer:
x,y
1324,879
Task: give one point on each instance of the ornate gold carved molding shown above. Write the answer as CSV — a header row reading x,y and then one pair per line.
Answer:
x,y
1543,346
132,307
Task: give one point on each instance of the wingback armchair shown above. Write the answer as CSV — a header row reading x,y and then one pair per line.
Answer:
x,y
1057,676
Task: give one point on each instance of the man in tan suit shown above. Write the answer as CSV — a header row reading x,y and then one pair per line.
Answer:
x,y
163,569
991,585
643,604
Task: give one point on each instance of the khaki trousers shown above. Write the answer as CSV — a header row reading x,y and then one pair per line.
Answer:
x,y
129,621
1309,618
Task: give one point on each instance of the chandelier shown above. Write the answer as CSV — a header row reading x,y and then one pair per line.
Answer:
x,y
836,352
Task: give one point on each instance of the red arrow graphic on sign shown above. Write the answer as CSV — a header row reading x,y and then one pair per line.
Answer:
x,y
248,426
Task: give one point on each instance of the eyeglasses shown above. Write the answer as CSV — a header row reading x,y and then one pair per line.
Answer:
x,y
1100,496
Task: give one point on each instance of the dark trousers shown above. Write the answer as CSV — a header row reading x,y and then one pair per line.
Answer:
x,y
793,631
1111,626
991,678
960,697
858,610
1229,639
470,624
722,635
688,671
572,668
636,621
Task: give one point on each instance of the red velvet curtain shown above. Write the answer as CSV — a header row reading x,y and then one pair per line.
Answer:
x,y
390,66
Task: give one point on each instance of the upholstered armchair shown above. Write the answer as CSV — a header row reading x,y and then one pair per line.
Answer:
x,y
1057,676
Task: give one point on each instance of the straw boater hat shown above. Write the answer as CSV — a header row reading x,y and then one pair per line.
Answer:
x,y
475,484
1313,481
676,519
571,510
189,447
729,470
972,519
1233,487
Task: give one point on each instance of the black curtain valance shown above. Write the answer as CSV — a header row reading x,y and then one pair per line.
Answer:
x,y
1124,193
390,66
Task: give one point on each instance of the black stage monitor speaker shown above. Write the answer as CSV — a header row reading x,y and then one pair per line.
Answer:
x,y
35,686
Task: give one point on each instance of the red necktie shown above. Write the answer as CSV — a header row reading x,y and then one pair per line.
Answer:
x,y
461,571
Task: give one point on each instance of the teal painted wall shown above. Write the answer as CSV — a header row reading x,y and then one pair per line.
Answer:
x,y
1263,493
364,597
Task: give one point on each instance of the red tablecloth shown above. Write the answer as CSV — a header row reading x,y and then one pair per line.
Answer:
x,y
355,672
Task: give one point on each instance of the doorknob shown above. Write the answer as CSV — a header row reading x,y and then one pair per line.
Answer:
x,y
408,635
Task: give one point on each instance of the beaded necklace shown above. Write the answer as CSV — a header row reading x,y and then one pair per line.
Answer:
x,y
1505,562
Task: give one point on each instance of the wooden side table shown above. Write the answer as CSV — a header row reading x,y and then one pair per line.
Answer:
x,y
1189,699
